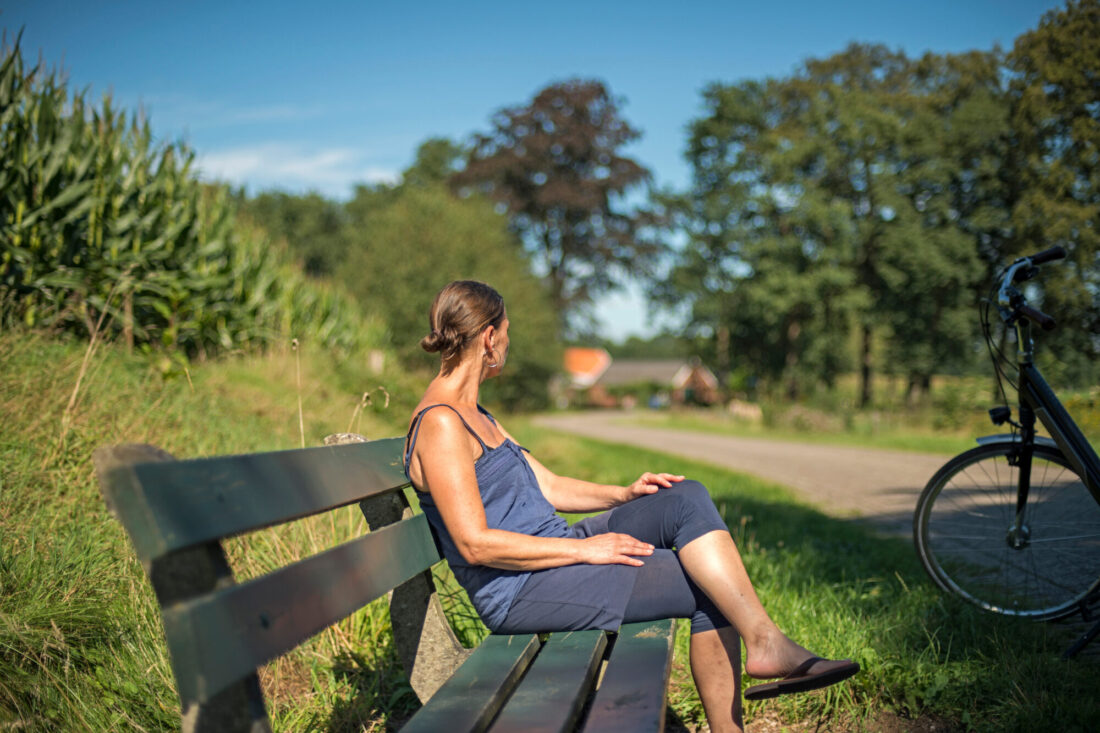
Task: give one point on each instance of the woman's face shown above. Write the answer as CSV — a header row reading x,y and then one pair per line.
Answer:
x,y
500,342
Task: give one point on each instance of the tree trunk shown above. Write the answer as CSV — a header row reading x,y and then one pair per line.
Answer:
x,y
865,368
793,330
722,359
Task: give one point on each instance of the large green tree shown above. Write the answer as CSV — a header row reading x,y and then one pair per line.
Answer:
x,y
1056,121
406,242
829,201
556,165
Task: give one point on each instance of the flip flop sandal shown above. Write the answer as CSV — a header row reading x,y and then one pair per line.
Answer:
x,y
813,674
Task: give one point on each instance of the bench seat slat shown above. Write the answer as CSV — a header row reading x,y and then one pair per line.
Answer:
x,y
169,506
476,691
550,697
632,694
220,637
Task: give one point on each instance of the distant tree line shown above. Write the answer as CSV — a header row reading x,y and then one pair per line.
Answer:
x,y
852,215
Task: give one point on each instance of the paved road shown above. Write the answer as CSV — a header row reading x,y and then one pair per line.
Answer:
x,y
879,486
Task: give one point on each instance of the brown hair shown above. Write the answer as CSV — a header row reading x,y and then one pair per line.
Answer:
x,y
461,311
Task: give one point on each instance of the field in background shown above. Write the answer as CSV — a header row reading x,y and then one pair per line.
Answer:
x,y
945,421
80,639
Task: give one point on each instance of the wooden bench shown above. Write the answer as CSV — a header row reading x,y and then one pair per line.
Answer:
x,y
178,512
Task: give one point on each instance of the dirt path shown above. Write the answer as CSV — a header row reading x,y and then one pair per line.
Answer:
x,y
881,487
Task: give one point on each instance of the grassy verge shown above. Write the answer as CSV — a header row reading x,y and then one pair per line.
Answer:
x,y
902,430
81,646
80,641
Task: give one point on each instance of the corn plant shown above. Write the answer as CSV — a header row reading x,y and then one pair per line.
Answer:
x,y
97,217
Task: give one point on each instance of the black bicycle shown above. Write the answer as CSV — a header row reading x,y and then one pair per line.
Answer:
x,y
1013,525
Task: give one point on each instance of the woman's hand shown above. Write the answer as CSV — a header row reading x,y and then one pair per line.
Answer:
x,y
650,483
614,548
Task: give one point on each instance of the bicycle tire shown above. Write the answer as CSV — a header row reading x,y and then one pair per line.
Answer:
x,y
961,530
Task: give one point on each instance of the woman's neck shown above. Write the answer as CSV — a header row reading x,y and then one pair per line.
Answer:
x,y
458,385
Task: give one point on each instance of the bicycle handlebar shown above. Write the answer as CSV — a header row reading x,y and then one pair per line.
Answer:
x,y
1037,316
1048,255
1011,302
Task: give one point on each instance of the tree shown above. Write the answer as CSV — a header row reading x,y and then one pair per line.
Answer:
x,y
415,239
312,226
827,200
437,159
1056,121
554,165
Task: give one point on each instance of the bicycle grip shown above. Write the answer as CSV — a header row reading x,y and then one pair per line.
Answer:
x,y
1056,252
1037,316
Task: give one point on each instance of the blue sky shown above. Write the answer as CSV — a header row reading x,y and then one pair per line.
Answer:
x,y
324,95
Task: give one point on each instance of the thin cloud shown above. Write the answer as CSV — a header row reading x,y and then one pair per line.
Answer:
x,y
330,171
183,110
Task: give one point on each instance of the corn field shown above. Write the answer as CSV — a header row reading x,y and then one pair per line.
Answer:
x,y
103,229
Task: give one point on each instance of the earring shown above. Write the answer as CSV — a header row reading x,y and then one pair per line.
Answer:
x,y
489,355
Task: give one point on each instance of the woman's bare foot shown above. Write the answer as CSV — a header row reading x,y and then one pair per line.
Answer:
x,y
774,655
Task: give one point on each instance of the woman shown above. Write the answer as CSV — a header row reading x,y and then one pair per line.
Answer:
x,y
493,506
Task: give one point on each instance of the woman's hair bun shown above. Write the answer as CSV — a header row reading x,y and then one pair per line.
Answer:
x,y
432,342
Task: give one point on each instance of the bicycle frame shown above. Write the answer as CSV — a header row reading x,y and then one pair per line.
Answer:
x,y
1037,399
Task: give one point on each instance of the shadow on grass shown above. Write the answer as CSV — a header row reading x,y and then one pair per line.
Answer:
x,y
380,695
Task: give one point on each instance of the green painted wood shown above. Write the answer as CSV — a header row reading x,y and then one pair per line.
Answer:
x,y
239,708
474,694
169,506
634,688
220,637
550,697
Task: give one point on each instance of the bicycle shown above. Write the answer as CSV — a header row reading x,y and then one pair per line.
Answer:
x,y
1013,525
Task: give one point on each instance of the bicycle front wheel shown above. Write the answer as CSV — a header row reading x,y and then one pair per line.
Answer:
x,y
966,533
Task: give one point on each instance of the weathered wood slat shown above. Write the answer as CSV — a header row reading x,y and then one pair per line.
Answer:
x,y
551,696
473,695
168,506
222,636
633,692
239,708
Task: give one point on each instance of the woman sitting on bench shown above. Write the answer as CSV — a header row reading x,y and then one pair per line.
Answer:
x,y
658,550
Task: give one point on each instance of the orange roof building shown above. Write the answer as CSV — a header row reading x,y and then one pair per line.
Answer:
x,y
585,366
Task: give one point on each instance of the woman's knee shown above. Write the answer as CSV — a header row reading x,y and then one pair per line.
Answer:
x,y
693,496
692,490
697,513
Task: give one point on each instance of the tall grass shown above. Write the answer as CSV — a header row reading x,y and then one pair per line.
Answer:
x,y
81,646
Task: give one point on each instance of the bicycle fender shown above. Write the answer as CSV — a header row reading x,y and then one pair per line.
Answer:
x,y
1012,438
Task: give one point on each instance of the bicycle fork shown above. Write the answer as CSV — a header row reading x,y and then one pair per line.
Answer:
x,y
1019,534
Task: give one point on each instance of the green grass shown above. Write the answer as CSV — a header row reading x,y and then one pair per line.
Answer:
x,y
862,432
80,641
919,430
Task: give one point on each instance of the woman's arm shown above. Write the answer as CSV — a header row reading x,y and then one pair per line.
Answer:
x,y
577,496
442,464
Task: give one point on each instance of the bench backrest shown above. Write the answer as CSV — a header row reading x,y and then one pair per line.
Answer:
x,y
177,512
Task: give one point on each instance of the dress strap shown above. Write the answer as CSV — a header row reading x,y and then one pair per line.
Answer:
x,y
414,431
487,414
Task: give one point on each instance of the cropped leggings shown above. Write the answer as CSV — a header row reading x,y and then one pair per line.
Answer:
x,y
605,596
